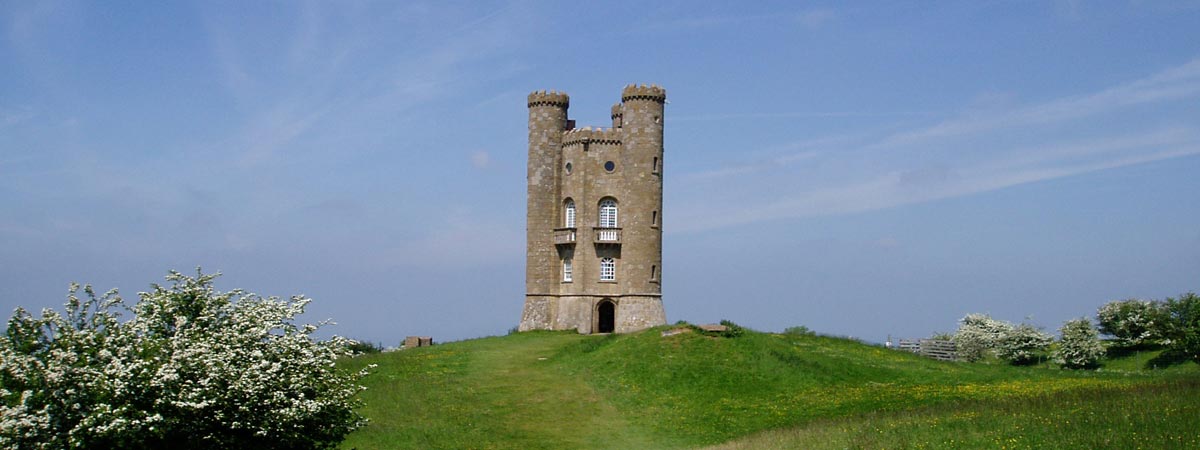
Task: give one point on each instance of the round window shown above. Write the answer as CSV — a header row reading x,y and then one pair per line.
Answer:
x,y
610,166
568,168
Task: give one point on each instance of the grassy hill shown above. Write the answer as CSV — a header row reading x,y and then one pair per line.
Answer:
x,y
646,390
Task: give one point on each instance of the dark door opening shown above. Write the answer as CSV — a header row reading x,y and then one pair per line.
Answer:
x,y
608,315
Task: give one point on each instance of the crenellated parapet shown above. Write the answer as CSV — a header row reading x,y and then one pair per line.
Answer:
x,y
549,98
617,110
644,92
589,135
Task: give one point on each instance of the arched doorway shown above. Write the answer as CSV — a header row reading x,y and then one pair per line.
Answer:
x,y
606,315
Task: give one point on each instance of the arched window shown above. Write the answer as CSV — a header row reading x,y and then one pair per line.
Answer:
x,y
608,213
570,211
608,269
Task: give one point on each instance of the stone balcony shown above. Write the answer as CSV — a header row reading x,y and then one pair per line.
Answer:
x,y
564,236
605,235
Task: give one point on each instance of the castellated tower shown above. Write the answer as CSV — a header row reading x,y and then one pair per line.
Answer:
x,y
594,216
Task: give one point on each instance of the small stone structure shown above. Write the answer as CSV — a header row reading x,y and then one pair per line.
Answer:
x,y
713,328
417,341
594,216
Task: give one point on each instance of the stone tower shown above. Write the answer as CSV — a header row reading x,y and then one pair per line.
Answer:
x,y
594,216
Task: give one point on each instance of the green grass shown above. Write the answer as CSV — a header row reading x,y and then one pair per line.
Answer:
x,y
643,390
1156,415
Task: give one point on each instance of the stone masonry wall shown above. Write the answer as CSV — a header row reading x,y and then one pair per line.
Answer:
x,y
634,148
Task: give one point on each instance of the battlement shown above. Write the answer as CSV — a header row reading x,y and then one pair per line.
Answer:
x,y
589,134
644,92
549,98
617,110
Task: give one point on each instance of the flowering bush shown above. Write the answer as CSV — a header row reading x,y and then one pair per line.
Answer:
x,y
1132,321
193,368
1022,344
1079,346
977,335
1183,331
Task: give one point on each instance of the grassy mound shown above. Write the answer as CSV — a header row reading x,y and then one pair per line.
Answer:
x,y
647,390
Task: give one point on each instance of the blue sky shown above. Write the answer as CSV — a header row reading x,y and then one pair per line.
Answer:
x,y
870,169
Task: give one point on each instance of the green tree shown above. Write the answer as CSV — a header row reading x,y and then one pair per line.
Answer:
x,y
1183,329
193,368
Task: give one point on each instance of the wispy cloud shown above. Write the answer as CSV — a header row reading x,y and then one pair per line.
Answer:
x,y
883,172
752,167
808,19
1172,84
794,115
323,82
9,118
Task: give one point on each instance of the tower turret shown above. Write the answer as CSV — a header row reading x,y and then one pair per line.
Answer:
x,y
547,121
642,108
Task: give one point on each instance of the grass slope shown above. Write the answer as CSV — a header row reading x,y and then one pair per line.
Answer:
x,y
644,390
1155,415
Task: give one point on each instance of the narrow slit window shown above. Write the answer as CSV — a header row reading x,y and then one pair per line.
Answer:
x,y
567,270
654,218
654,167
653,273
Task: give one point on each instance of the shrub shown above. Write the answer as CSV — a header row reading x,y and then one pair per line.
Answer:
x,y
357,347
977,335
1022,344
1079,346
1133,322
1183,330
941,336
193,368
799,330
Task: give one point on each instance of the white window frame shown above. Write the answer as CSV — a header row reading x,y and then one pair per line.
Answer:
x,y
570,214
568,270
608,213
608,269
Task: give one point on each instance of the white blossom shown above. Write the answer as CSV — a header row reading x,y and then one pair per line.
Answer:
x,y
1079,345
191,364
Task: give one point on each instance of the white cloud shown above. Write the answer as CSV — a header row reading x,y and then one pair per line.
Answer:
x,y
322,88
1173,84
957,157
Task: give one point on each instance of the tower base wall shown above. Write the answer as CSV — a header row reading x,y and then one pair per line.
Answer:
x,y
582,313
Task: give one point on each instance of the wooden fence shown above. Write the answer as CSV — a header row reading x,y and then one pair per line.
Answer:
x,y
933,348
